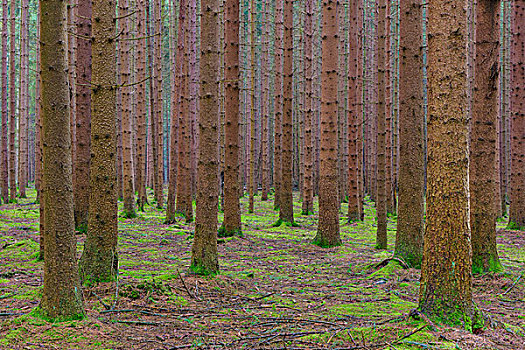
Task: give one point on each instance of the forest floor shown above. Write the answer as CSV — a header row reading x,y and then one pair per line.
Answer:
x,y
275,291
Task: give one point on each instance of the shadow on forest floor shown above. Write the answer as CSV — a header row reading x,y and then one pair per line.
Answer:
x,y
275,291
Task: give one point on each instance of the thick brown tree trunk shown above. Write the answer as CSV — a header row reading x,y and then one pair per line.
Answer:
x,y
285,196
446,273
265,103
128,187
83,116
483,137
252,106
381,238
141,105
61,295
410,219
159,125
204,258
328,229
232,212
99,260
517,179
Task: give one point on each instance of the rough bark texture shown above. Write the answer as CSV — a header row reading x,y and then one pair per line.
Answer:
x,y
159,125
278,99
308,158
381,238
328,229
285,196
23,105
353,116
232,211
3,161
204,258
410,219
517,179
127,116
141,105
483,136
176,88
265,104
252,106
83,116
446,274
61,295
12,104
99,260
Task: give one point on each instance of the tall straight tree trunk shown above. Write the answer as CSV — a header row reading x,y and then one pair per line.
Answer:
x,y
232,212
71,46
81,162
265,103
446,273
99,260
278,102
286,196
24,115
176,100
328,229
184,199
204,258
39,178
410,217
308,193
252,105
517,179
12,103
483,138
360,122
127,115
141,105
61,295
3,160
159,177
381,238
390,209
353,116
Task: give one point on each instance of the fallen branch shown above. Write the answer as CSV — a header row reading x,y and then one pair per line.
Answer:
x,y
184,284
399,260
513,285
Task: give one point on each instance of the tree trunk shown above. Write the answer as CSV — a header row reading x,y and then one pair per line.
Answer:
x,y
61,295
176,100
159,177
381,238
24,113
99,260
517,180
278,102
127,115
252,105
204,258
328,229
141,105
483,136
232,212
83,115
446,273
285,196
12,104
4,164
265,103
410,219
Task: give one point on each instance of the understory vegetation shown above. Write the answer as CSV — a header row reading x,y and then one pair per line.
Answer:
x,y
276,290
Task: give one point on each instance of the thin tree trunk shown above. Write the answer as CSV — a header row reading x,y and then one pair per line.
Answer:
x,y
81,162
4,164
12,104
24,113
159,177
265,103
278,102
252,105
141,105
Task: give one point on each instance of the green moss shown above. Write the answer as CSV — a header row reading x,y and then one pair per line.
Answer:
x,y
392,268
38,312
222,233
514,226
479,266
320,242
201,270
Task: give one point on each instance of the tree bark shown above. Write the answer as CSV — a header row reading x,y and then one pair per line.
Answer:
x,y
4,163
24,113
446,273
328,229
204,258
410,219
61,295
517,179
278,102
83,114
141,105
483,136
12,104
99,261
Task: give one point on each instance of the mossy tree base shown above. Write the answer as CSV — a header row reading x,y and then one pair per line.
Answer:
x,y
486,264
469,318
223,233
515,226
326,242
97,266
